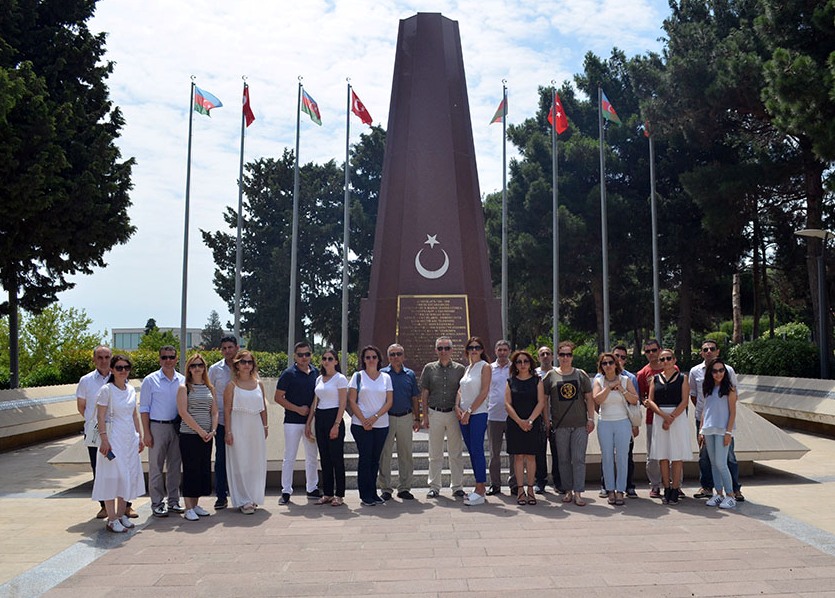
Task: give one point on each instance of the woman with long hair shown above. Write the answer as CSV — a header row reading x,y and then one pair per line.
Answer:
x,y
245,412
370,396
326,417
524,399
471,409
197,406
119,476
612,391
669,396
718,422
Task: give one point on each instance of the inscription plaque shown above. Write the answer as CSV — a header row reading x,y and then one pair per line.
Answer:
x,y
423,318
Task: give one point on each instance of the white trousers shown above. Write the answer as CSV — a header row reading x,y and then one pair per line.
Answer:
x,y
293,435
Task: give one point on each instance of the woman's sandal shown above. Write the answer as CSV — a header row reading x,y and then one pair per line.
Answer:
x,y
569,496
337,501
325,500
531,496
578,500
611,499
521,499
619,499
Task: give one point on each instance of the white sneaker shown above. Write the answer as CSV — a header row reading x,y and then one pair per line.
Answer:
x,y
474,499
728,503
201,511
126,522
191,515
714,500
115,526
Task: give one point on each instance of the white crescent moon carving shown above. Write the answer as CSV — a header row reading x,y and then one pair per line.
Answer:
x,y
431,274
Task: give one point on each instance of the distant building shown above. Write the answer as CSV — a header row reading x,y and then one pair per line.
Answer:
x,y
128,338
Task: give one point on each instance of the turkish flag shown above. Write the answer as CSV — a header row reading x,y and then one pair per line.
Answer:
x,y
358,108
562,120
248,114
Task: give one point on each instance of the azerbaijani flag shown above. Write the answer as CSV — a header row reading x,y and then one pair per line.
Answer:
x,y
310,106
204,101
501,112
608,110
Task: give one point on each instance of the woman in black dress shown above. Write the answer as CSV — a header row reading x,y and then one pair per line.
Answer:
x,y
524,398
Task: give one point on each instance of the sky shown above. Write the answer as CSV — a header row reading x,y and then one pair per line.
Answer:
x,y
158,45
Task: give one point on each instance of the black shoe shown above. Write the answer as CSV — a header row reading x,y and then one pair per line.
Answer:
x,y
386,496
674,494
459,494
539,488
379,500
221,503
514,490
176,508
493,490
160,510
738,496
405,495
433,494
666,499
314,493
285,498
630,493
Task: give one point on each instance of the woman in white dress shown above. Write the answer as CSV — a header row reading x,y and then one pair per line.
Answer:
x,y
245,410
471,409
119,476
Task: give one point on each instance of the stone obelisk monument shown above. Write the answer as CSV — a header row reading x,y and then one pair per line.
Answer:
x,y
430,274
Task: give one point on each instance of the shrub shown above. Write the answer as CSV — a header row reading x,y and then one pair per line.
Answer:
x,y
793,330
776,357
45,375
585,357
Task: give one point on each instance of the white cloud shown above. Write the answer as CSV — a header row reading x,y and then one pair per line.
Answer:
x,y
158,45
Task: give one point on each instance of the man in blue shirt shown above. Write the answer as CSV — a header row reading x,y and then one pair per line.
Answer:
x,y
295,391
404,418
158,411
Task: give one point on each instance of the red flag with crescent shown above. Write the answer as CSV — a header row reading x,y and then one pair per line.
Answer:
x,y
358,108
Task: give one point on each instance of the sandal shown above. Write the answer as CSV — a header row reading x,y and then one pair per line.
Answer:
x,y
619,499
569,497
337,501
611,500
521,499
324,500
531,496
578,500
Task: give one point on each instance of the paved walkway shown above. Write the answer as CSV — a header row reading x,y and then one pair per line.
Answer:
x,y
780,541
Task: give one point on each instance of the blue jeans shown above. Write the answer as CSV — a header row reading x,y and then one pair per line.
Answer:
x,y
370,447
718,453
706,472
473,434
614,437
221,485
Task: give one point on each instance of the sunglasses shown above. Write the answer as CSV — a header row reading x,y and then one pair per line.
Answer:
x,y
717,371
396,354
607,362
621,357
247,361
708,349
474,347
649,351
667,358
522,361
168,357
328,358
545,353
370,357
121,368
194,366
565,354
443,348
303,354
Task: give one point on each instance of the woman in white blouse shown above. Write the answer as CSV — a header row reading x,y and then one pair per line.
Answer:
x,y
471,409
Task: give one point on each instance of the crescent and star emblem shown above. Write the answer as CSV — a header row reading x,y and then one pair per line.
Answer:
x,y
431,240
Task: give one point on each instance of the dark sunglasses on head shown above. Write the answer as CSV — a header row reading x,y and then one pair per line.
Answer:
x,y
396,354
168,357
443,348
717,370
607,362
474,347
197,365
566,354
307,354
121,368
667,358
648,351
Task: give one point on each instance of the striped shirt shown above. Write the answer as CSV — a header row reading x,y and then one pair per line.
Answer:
x,y
200,408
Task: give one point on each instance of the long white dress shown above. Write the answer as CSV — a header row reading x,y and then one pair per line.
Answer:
x,y
246,458
122,476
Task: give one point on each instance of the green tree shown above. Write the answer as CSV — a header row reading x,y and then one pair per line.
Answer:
x,y
63,184
155,339
212,332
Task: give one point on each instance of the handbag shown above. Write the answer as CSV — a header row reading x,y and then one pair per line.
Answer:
x,y
91,426
634,412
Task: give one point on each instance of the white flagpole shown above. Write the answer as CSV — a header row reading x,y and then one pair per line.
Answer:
x,y
504,209
238,248
184,302
556,219
656,295
291,323
346,224
604,232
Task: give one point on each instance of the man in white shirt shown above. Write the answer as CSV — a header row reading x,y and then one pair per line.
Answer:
x,y
497,416
85,397
710,351
158,411
219,375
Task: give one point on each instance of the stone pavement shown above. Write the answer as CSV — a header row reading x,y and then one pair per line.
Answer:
x,y
780,541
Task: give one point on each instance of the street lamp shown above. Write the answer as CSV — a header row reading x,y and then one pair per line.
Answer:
x,y
823,335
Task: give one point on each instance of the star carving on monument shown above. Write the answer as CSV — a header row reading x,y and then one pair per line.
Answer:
x,y
431,240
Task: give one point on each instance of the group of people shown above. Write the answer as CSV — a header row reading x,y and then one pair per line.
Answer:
x,y
511,401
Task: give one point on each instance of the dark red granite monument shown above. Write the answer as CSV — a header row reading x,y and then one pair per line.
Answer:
x,y
430,275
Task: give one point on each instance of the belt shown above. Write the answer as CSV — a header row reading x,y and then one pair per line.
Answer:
x,y
400,414
442,410
163,421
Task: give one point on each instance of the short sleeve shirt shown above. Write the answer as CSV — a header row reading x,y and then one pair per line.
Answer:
x,y
496,411
567,397
371,397
88,388
299,388
442,383
405,387
219,375
697,380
